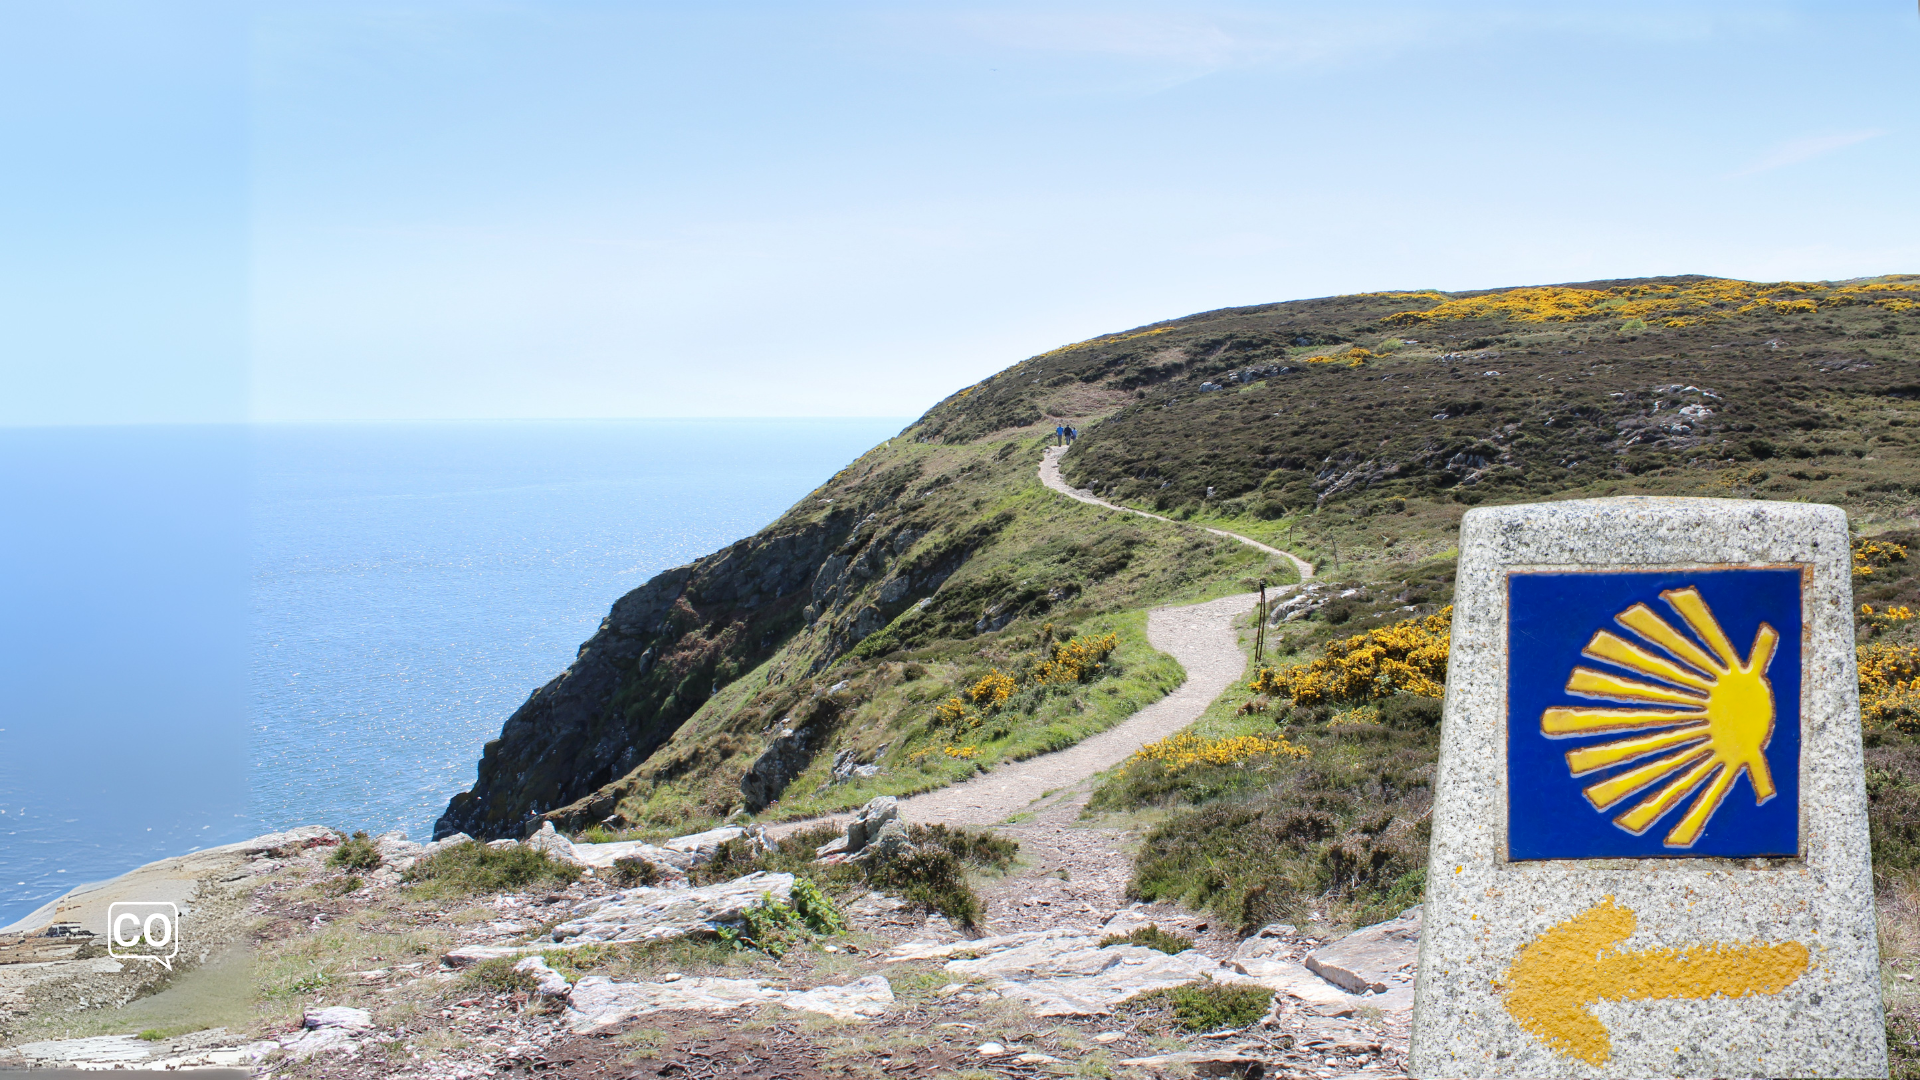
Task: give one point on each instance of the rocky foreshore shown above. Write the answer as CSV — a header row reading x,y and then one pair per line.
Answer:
x,y
358,974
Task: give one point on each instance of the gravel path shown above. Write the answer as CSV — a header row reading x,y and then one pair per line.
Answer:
x,y
1038,801
1050,476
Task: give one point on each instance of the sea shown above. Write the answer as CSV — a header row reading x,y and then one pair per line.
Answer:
x,y
208,633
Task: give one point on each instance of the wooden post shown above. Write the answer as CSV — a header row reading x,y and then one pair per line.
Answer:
x,y
1260,629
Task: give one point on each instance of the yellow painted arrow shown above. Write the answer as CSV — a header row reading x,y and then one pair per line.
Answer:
x,y
1563,971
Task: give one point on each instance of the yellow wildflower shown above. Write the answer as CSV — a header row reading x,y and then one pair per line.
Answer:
x,y
1408,656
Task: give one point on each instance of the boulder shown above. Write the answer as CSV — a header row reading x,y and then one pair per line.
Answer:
x,y
1230,1061
503,845
1374,959
557,847
335,1028
287,842
549,983
866,824
890,841
396,851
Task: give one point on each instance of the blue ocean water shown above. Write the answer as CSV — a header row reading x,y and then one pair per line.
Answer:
x,y
367,606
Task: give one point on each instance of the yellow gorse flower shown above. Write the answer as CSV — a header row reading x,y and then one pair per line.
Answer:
x,y
1869,555
1889,686
1409,656
1673,305
1186,750
992,689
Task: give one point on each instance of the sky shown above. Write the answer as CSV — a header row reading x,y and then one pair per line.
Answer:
x,y
344,210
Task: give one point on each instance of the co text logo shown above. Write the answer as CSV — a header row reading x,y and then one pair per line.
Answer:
x,y
144,930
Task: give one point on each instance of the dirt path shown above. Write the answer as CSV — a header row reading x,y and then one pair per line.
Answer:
x,y
1050,476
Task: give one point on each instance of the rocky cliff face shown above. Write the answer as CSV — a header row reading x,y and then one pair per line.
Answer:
x,y
663,650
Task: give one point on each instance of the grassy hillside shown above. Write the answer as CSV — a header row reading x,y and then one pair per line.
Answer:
x,y
1354,429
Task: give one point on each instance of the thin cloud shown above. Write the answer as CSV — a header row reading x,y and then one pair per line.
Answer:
x,y
1798,150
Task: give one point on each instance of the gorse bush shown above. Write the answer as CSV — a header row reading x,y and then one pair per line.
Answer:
x,y
357,853
1889,687
1407,657
467,869
1061,663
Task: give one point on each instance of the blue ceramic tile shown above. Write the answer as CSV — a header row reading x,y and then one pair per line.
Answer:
x,y
1654,714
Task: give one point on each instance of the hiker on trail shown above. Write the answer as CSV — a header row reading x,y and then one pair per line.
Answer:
x,y
1071,435
1060,433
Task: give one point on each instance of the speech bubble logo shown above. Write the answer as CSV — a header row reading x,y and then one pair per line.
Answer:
x,y
144,930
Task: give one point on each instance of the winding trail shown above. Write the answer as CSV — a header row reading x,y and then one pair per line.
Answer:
x,y
1043,795
1050,476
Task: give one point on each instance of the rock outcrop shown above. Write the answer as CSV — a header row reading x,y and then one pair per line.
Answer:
x,y
657,657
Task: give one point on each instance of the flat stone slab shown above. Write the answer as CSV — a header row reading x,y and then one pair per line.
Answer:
x,y
1650,852
598,1003
1373,959
603,856
1064,972
1293,979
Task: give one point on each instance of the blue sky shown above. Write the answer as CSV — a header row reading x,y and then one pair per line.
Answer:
x,y
349,210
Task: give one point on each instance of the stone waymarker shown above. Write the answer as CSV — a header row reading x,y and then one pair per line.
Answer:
x,y
1649,851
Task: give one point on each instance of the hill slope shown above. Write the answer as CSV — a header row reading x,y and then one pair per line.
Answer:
x,y
1353,429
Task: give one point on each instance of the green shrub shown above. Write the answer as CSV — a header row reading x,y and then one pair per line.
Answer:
x,y
983,848
1344,831
1210,1006
469,869
632,872
497,975
1151,937
357,853
772,927
934,878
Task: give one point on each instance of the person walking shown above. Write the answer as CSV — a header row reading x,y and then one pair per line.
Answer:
x,y
1060,434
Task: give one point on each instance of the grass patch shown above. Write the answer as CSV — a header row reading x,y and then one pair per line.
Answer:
x,y
474,869
357,853
1151,937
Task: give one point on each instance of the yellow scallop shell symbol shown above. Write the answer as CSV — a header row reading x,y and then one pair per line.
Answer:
x,y
1707,714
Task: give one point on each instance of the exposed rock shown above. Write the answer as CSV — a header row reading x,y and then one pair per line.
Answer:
x,y
549,983
557,847
1376,959
1268,940
866,824
1223,1062
284,843
667,861
700,848
646,914
786,757
598,1002
335,1028
1293,979
1064,971
396,851
889,842
503,845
